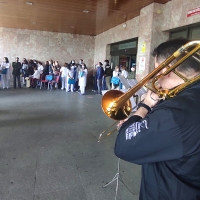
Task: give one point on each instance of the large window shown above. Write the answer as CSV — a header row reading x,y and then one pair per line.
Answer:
x,y
192,33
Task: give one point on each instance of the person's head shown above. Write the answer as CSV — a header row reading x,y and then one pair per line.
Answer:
x,y
80,61
25,61
133,68
30,61
123,68
73,61
39,63
106,62
56,63
72,66
189,68
117,68
100,64
5,59
83,66
47,62
66,64
17,59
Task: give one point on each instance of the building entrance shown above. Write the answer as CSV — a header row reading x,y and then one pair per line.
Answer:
x,y
124,54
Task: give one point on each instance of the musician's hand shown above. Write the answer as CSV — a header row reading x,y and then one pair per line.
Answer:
x,y
151,99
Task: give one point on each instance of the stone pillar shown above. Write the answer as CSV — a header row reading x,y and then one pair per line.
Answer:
x,y
150,35
108,56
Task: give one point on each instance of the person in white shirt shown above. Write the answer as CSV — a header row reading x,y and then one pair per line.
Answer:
x,y
124,73
82,78
25,71
34,78
64,72
40,67
5,73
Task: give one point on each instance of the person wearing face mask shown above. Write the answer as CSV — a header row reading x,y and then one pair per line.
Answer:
x,y
16,72
82,78
79,65
80,61
25,71
131,75
108,74
99,77
72,62
5,73
124,73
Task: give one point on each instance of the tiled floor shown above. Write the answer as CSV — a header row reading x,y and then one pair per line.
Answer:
x,y
49,148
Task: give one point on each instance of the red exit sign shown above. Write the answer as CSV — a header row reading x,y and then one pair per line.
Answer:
x,y
194,11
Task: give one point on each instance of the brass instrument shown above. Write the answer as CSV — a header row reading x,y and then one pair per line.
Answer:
x,y
116,104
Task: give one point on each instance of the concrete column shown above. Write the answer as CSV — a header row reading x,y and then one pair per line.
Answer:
x,y
150,35
108,56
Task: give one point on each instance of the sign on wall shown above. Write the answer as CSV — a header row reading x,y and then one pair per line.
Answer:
x,y
142,62
143,50
194,11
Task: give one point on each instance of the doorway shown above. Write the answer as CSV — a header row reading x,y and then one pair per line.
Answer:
x,y
124,53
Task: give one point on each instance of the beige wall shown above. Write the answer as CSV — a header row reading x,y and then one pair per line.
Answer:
x,y
151,27
113,35
175,13
41,45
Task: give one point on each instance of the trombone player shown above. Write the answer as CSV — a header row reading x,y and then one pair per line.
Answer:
x,y
164,135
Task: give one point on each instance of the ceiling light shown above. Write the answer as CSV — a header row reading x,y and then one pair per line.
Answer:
x,y
29,3
86,11
124,25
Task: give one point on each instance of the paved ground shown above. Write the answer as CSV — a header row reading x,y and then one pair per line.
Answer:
x,y
49,148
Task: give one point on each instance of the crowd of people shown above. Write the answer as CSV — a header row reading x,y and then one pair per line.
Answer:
x,y
106,78
71,76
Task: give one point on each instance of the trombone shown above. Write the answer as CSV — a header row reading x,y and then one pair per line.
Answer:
x,y
117,105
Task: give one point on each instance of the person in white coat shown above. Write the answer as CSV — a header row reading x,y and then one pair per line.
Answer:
x,y
40,67
64,72
83,78
34,77
5,73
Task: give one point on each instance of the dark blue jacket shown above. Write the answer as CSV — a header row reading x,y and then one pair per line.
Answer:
x,y
99,73
167,145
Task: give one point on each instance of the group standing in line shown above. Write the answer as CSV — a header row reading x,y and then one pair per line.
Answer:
x,y
72,76
105,78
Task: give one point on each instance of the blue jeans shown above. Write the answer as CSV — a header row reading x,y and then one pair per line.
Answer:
x,y
99,85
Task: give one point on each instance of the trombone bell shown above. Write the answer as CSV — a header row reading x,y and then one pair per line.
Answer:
x,y
110,106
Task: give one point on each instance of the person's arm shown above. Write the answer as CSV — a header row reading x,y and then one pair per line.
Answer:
x,y
70,76
19,65
98,74
149,138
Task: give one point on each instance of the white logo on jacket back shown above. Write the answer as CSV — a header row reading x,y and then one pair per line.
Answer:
x,y
135,128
